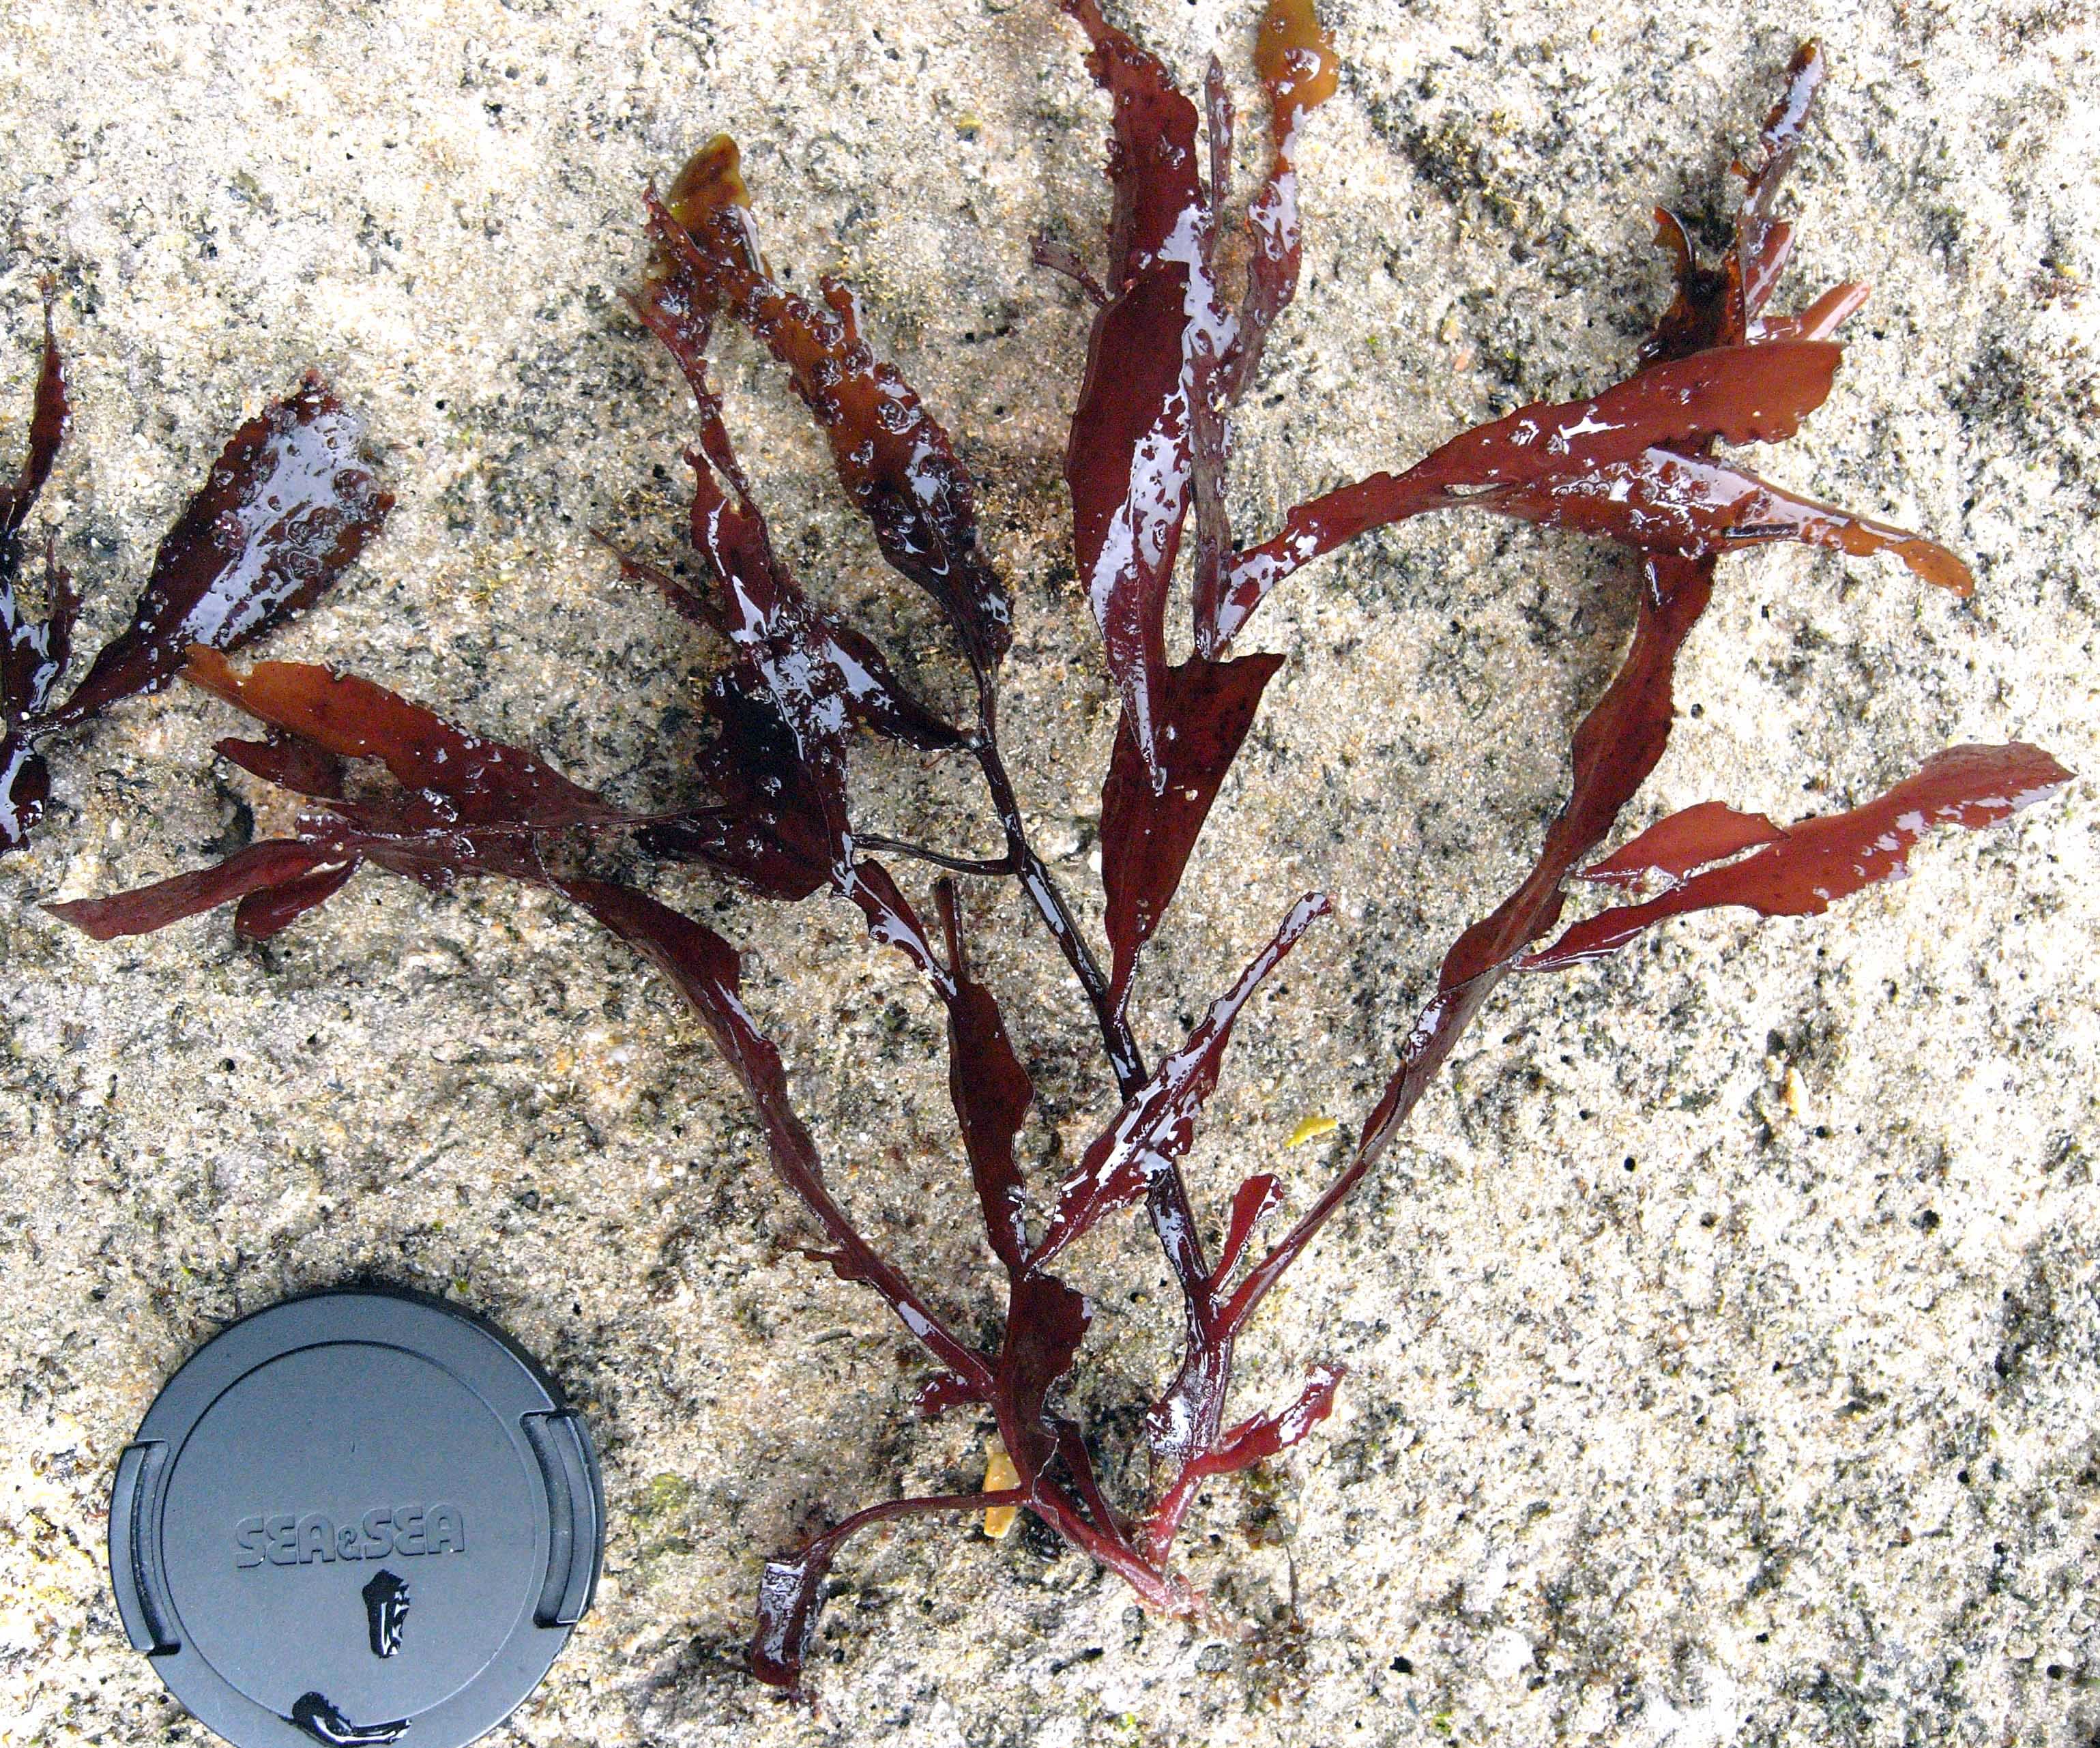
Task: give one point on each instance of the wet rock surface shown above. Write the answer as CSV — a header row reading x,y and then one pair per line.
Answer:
x,y
1724,1337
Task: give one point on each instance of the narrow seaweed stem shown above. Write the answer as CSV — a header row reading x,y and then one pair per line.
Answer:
x,y
1156,1588
1117,1039
1166,1198
1171,1213
1156,1535
988,868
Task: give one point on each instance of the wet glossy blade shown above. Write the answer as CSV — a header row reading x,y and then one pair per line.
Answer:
x,y
270,912
257,868
790,1589
1154,350
289,506
1525,463
485,782
1267,1436
1669,850
991,1093
1801,870
892,456
1147,836
1300,71
49,414
25,786
1721,305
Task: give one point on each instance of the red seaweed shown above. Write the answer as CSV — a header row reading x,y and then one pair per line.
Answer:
x,y
892,456
286,509
1129,462
390,785
457,805
1147,836
1801,870
1615,466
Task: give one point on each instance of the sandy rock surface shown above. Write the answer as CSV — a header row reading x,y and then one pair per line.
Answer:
x,y
1724,1338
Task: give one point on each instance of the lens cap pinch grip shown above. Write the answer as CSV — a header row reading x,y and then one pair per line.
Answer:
x,y
356,1518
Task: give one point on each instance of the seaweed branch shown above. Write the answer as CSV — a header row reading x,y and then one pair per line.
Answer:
x,y
287,507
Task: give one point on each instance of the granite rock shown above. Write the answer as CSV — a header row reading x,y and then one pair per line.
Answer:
x,y
1723,1337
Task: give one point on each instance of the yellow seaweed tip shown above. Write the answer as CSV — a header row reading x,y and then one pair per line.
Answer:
x,y
1295,58
999,1475
712,179
1312,1128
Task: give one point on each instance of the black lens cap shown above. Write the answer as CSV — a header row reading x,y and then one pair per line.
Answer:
x,y
355,1517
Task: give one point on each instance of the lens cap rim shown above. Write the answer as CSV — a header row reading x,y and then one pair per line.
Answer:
x,y
551,1440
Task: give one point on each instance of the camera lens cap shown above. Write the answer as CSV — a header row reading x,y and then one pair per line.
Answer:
x,y
356,1518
